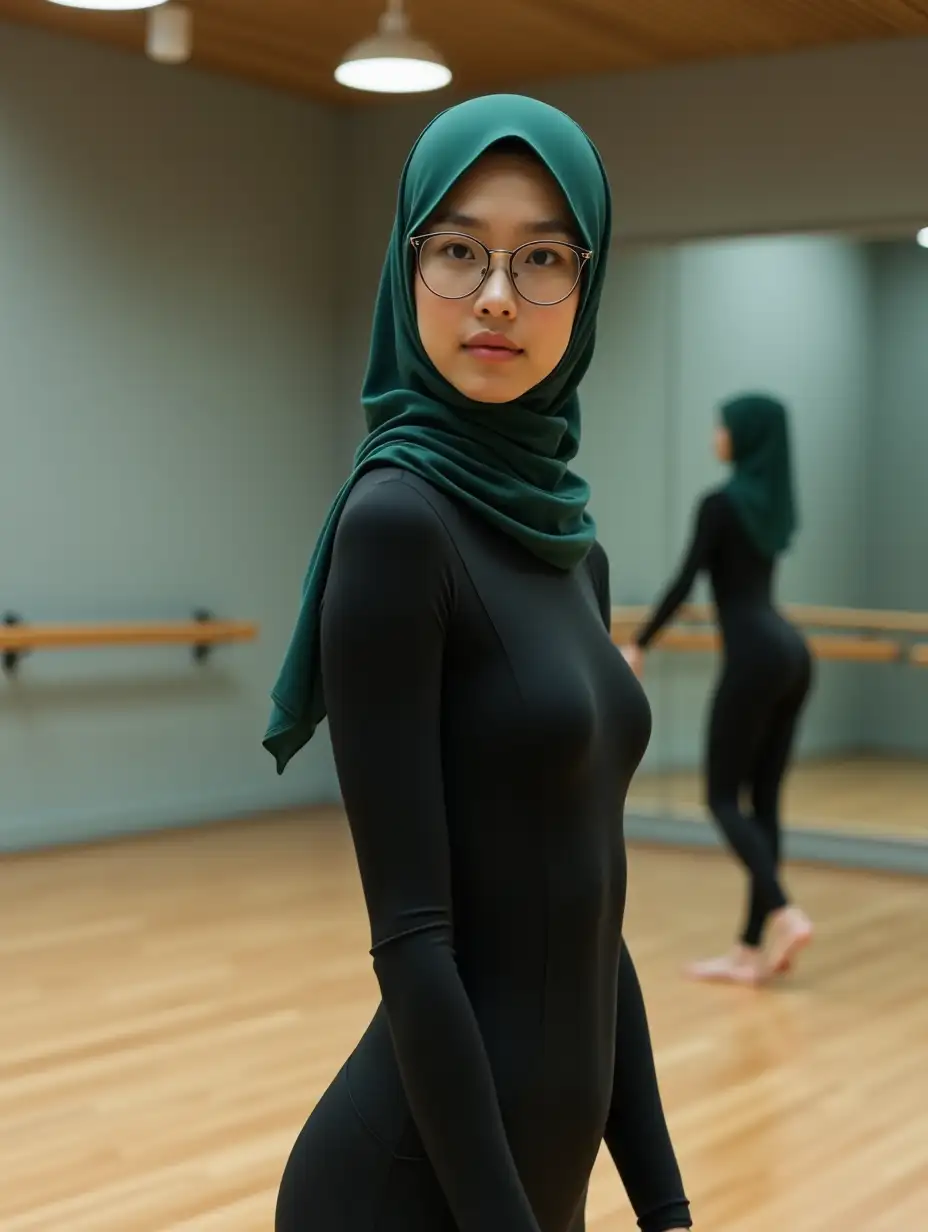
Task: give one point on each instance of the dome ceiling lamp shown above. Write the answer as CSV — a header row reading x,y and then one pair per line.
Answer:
x,y
109,6
392,61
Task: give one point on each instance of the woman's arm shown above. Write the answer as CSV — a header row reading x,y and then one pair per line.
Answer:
x,y
636,1131
697,555
387,604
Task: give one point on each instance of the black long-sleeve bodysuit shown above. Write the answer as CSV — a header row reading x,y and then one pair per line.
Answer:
x,y
765,681
485,730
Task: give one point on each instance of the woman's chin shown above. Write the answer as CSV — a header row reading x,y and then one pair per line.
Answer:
x,y
492,392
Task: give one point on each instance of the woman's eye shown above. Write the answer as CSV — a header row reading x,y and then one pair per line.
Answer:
x,y
458,252
543,257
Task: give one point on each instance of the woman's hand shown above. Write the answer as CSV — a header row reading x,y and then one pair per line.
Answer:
x,y
634,657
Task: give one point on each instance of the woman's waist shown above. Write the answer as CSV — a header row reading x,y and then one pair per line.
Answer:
x,y
764,631
751,613
553,1072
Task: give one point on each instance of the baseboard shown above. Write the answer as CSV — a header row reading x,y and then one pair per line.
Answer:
x,y
61,829
800,846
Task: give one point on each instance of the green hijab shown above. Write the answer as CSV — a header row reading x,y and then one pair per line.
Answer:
x,y
509,462
761,486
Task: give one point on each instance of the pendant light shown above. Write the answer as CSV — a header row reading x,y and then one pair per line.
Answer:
x,y
392,61
109,6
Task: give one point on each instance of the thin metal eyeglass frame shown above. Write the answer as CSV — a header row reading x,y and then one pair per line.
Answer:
x,y
584,255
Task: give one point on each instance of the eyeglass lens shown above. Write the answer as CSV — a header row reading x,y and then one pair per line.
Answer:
x,y
454,266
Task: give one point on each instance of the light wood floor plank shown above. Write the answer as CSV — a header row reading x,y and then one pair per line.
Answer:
x,y
172,1006
880,796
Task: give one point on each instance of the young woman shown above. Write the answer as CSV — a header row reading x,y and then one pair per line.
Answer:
x,y
741,530
455,628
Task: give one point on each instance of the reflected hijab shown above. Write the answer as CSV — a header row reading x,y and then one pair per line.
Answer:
x,y
761,485
506,462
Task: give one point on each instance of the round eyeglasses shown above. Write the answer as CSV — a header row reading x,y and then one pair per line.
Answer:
x,y
453,265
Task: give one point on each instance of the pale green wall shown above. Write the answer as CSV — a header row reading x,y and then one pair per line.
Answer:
x,y
813,141
682,329
188,266
809,141
898,447
166,350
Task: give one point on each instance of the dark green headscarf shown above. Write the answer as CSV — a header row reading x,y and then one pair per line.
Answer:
x,y
508,462
761,486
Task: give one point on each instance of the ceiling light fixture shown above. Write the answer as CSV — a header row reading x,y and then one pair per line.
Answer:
x,y
392,61
169,34
109,6
922,237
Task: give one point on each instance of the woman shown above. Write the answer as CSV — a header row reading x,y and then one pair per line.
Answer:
x,y
455,627
741,530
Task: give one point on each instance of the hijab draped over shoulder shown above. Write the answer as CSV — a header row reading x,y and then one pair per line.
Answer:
x,y
507,462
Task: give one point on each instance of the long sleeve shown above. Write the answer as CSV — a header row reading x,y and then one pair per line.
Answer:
x,y
696,558
636,1131
388,600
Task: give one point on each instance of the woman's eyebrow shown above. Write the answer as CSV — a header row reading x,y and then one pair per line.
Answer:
x,y
540,226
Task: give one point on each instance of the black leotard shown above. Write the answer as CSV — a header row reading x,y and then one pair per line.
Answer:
x,y
485,730
741,580
764,684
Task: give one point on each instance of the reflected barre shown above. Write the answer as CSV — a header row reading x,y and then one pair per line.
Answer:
x,y
855,635
202,632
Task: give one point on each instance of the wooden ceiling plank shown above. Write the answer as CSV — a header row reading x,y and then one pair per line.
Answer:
x,y
295,44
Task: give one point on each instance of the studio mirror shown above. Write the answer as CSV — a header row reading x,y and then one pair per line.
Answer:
x,y
836,327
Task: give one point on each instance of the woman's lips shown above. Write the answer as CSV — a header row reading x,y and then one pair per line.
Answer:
x,y
496,348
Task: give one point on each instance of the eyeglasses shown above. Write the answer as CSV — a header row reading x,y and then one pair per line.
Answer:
x,y
453,265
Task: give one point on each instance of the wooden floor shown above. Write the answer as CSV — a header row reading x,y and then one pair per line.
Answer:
x,y
171,1007
884,797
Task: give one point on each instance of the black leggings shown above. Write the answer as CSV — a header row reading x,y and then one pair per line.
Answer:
x,y
755,713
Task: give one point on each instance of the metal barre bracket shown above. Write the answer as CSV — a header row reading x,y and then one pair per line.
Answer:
x,y
11,657
201,650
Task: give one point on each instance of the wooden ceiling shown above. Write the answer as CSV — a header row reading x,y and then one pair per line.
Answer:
x,y
296,44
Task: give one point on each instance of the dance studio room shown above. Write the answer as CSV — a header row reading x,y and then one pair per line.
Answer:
x,y
601,904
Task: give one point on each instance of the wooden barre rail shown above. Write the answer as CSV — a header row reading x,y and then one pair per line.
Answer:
x,y
823,646
810,616
684,635
202,633
78,637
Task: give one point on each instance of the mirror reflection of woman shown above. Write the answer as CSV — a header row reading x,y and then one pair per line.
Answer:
x,y
741,531
485,728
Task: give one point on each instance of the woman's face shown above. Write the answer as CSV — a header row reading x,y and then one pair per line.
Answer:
x,y
504,200
722,443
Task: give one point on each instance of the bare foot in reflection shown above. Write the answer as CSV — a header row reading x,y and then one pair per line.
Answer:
x,y
743,965
790,931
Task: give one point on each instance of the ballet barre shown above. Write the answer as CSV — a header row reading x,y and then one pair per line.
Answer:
x,y
202,633
869,645
823,645
875,620
809,616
